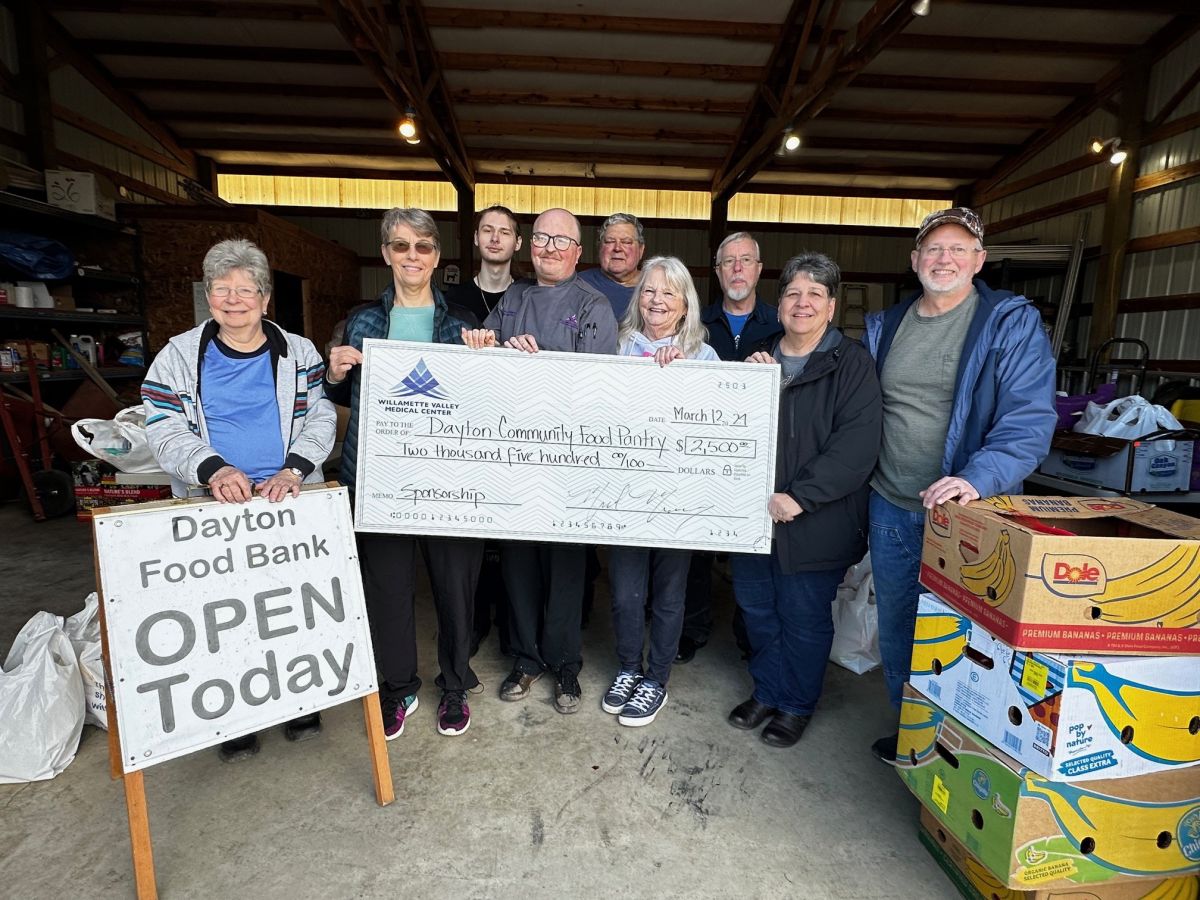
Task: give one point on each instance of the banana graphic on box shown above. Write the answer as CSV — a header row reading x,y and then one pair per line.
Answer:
x,y
988,884
1133,839
1166,591
939,638
1159,725
1175,889
992,578
919,722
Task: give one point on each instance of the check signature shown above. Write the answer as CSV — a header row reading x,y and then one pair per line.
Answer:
x,y
654,502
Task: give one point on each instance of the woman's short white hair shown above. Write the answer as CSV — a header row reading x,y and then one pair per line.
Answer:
x,y
691,332
237,253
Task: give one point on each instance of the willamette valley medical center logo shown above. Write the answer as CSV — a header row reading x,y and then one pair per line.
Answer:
x,y
419,382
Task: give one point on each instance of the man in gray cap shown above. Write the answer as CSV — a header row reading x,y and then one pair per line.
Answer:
x,y
968,412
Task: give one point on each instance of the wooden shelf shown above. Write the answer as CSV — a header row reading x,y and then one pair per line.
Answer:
x,y
115,278
52,214
110,373
50,316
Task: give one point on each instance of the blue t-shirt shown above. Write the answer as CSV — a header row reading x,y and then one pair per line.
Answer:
x,y
241,410
618,295
736,324
411,323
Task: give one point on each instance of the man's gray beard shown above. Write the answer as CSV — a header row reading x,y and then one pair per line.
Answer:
x,y
942,291
737,295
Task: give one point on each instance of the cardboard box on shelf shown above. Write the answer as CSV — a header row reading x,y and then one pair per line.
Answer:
x,y
99,484
1065,717
1070,574
1159,465
1032,833
81,192
975,882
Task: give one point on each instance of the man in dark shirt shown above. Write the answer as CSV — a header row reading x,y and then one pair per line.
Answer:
x,y
498,237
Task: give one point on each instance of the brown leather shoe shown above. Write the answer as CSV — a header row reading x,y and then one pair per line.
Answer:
x,y
749,715
516,685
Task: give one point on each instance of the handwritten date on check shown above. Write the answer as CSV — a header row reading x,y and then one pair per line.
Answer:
x,y
565,447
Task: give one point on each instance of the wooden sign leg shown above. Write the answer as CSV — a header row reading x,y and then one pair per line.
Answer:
x,y
139,836
384,794
115,768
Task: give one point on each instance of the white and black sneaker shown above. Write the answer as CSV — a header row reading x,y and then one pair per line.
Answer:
x,y
621,690
643,706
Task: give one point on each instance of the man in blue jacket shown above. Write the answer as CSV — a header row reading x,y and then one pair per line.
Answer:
x,y
968,412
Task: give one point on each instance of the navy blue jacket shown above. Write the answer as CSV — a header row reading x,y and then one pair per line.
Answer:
x,y
372,322
1003,415
761,330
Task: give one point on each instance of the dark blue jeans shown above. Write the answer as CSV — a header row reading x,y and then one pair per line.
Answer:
x,y
789,620
896,567
629,571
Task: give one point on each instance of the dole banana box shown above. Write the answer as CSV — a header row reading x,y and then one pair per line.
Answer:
x,y
1064,717
1070,574
975,882
1035,834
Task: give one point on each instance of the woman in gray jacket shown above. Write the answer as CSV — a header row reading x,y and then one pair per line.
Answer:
x,y
264,426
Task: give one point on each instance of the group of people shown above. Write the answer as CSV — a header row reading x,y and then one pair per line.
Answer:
x,y
948,399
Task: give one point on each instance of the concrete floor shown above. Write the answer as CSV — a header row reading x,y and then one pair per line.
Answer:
x,y
528,803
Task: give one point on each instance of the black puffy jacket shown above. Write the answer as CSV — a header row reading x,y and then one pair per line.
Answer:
x,y
830,422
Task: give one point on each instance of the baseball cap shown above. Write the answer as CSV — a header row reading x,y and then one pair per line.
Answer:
x,y
955,215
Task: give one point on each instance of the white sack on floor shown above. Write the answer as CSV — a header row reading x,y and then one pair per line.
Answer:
x,y
41,702
83,629
856,621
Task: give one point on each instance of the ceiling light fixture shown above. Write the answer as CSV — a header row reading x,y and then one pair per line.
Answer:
x,y
1112,146
408,125
921,8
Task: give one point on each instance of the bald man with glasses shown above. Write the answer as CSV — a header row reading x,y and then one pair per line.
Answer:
x,y
545,580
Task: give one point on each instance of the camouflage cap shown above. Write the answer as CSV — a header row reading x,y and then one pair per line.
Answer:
x,y
955,215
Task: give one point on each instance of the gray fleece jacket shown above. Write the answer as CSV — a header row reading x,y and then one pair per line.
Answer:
x,y
175,427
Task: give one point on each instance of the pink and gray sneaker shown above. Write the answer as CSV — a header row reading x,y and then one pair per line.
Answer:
x,y
454,716
394,716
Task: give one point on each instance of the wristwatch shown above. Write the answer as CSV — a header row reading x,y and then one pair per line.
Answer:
x,y
295,472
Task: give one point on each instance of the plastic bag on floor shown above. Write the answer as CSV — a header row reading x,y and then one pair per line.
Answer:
x,y
856,622
83,629
120,441
41,703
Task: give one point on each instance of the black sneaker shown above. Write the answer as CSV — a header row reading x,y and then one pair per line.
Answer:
x,y
453,716
884,749
567,693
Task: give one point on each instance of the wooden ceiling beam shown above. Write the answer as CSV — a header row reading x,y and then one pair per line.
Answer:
x,y
936,119
641,68
852,167
980,46
1169,36
593,131
223,52
493,153
251,88
410,76
467,96
199,9
455,17
101,79
879,25
1168,7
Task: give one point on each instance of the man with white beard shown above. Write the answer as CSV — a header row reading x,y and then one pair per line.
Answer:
x,y
968,412
739,325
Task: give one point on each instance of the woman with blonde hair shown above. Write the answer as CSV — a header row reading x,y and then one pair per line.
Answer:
x,y
662,322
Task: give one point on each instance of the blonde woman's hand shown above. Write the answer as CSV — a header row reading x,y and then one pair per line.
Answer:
x,y
341,360
663,355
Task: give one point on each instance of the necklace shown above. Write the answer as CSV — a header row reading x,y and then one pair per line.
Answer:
x,y
482,296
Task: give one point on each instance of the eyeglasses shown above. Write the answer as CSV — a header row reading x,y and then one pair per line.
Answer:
x,y
223,292
956,252
627,243
401,247
560,241
746,261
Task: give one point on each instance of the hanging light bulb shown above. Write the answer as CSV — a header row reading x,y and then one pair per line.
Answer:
x,y
407,128
1118,153
414,140
921,8
791,140
1097,146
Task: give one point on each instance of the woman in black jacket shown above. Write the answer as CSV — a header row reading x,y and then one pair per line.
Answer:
x,y
830,413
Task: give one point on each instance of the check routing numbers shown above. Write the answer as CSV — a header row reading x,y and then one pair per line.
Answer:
x,y
565,447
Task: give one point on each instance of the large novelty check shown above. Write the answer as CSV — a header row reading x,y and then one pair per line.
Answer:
x,y
565,447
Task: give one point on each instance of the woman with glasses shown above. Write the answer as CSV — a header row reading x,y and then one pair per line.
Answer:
x,y
264,426
663,324
411,308
830,420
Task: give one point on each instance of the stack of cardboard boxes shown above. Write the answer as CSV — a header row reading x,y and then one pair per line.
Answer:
x,y
1051,727
98,484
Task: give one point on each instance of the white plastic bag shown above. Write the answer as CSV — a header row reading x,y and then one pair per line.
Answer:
x,y
41,703
1130,417
83,629
120,441
856,621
